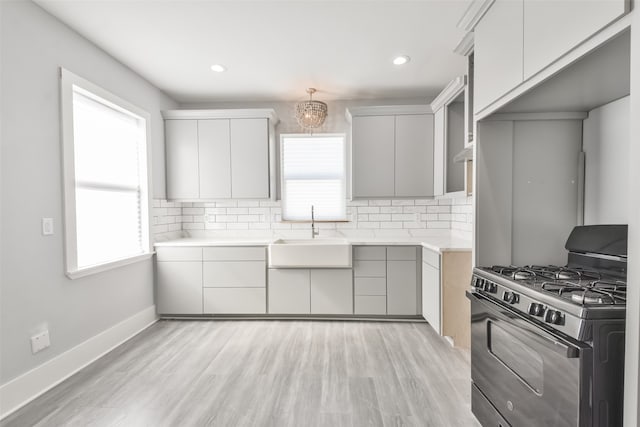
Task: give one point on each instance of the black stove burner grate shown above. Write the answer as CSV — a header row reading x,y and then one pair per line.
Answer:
x,y
579,285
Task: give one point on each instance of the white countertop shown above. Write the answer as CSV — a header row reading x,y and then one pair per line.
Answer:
x,y
435,240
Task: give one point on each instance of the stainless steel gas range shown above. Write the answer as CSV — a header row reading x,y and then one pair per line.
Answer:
x,y
547,342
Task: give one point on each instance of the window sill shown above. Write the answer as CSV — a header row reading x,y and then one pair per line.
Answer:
x,y
88,271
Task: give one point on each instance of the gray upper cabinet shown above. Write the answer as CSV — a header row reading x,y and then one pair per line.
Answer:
x,y
414,154
498,52
249,159
552,28
372,154
182,161
391,151
214,155
220,154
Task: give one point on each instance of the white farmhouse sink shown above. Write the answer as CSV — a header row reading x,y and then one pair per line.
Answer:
x,y
310,253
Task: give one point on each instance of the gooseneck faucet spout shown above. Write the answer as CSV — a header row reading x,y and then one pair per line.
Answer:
x,y
314,233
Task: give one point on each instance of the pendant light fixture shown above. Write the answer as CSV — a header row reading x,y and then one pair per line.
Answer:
x,y
311,114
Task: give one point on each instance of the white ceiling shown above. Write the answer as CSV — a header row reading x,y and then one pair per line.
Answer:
x,y
275,49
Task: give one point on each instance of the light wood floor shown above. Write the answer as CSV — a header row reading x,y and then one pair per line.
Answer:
x,y
266,373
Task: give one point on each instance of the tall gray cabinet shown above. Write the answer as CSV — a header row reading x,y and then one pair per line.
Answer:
x,y
220,154
391,151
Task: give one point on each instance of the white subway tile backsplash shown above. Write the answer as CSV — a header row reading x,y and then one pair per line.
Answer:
x,y
403,203
414,209
391,225
237,211
369,210
403,217
380,217
193,211
193,226
438,209
379,202
398,215
391,209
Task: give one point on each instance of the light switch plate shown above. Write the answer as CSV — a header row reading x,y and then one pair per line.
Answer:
x,y
47,226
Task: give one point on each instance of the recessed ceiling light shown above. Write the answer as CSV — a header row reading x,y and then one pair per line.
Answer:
x,y
218,68
401,60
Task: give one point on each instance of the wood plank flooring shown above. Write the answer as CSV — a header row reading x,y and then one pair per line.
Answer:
x,y
266,373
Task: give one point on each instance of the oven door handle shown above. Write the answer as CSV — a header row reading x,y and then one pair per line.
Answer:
x,y
568,351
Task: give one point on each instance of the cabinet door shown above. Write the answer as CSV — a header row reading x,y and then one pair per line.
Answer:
x,y
439,136
372,150
431,295
179,287
214,159
249,158
235,301
498,52
332,291
289,291
414,155
402,290
552,28
181,138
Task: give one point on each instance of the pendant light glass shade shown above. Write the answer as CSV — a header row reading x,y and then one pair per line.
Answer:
x,y
311,114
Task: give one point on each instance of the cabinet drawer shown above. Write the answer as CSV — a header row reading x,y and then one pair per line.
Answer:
x,y
370,305
402,253
235,254
430,257
370,286
178,254
369,268
235,301
233,274
369,253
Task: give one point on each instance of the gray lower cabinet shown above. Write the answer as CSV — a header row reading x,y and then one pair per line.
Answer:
x,y
331,291
370,280
402,281
289,291
431,293
179,287
211,280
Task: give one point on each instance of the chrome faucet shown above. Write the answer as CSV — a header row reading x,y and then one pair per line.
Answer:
x,y
314,233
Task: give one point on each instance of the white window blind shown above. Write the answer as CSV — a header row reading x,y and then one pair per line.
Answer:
x,y
109,159
313,174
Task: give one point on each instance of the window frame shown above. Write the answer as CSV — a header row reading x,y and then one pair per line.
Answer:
x,y
67,81
345,182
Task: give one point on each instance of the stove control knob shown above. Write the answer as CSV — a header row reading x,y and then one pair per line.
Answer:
x,y
491,287
553,316
510,297
536,309
479,283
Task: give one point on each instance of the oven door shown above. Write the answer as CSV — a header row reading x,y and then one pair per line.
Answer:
x,y
530,375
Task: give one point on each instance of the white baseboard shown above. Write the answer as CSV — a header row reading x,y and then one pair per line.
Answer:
x,y
23,389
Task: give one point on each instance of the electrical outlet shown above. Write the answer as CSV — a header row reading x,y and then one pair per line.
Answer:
x,y
40,341
47,226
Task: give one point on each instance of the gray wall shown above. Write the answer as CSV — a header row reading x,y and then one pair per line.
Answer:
x,y
606,147
34,289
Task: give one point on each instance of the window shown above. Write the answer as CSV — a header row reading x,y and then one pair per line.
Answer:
x,y
313,174
106,178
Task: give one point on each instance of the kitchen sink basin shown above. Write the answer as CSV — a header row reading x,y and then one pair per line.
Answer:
x,y
310,253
